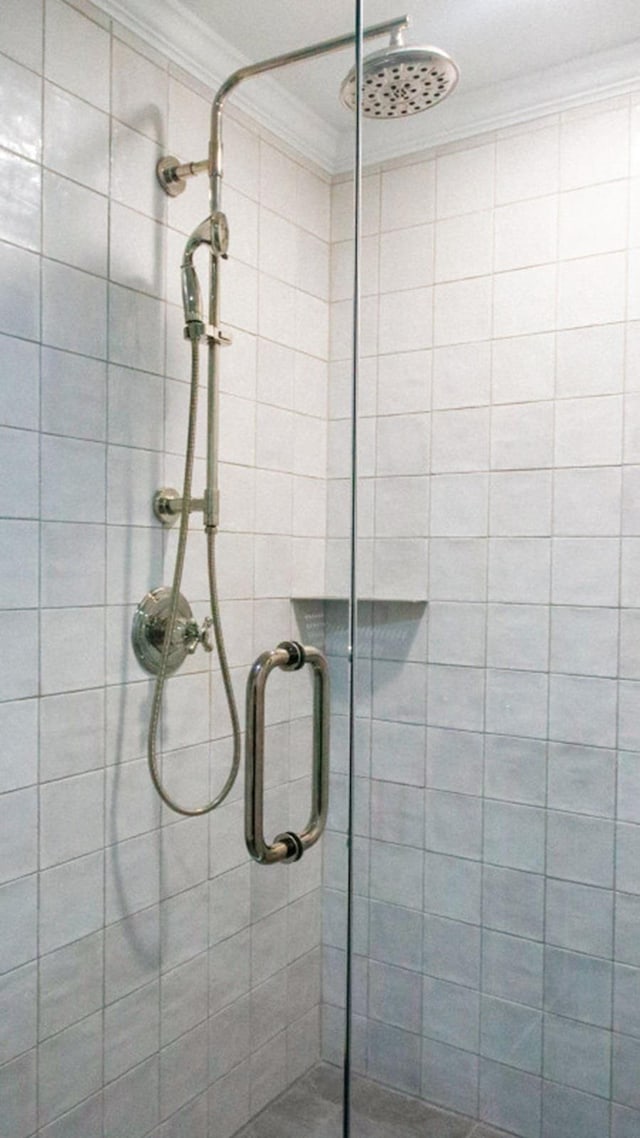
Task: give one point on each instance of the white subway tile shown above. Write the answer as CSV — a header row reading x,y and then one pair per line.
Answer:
x,y
527,165
465,180
590,361
139,92
594,147
77,54
591,290
462,311
20,221
406,320
524,301
76,139
408,195
22,32
406,258
20,292
526,234
20,107
71,901
464,246
19,400
19,663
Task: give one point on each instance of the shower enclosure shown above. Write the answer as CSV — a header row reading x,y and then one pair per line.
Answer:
x,y
419,392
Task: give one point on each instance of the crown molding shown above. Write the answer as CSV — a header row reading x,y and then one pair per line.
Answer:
x,y
186,40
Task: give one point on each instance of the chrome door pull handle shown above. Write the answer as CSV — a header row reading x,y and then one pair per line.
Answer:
x,y
290,657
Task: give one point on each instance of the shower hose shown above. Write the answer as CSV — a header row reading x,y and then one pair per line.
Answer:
x,y
161,678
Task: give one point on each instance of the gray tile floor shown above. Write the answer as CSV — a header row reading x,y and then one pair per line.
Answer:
x,y
312,1108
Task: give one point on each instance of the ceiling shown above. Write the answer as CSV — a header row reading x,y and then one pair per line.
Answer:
x,y
518,59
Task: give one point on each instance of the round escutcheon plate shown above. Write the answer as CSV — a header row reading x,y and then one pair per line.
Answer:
x,y
149,628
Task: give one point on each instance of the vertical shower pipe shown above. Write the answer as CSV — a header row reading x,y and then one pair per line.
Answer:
x,y
215,170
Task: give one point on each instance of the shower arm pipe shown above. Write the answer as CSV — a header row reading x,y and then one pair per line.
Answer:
x,y
213,164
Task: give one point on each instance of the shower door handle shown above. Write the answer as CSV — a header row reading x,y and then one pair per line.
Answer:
x,y
290,657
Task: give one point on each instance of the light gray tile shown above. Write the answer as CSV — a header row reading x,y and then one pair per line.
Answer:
x,y
18,1011
131,1102
626,1057
453,824
395,996
132,953
71,901
578,986
627,928
397,813
18,1095
627,858
454,760
229,971
517,703
518,636
449,1077
512,968
395,935
268,1009
229,1038
511,1034
71,983
567,1113
626,1004
584,640
394,1056
451,1014
629,787
582,709
131,1030
397,874
510,1099
624,1122
398,752
582,779
577,1055
69,1067
452,887
515,769
184,997
513,902
580,849
452,950
579,917
78,1123
19,919
184,1069
514,836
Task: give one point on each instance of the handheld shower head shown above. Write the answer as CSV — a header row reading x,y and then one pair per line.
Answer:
x,y
401,80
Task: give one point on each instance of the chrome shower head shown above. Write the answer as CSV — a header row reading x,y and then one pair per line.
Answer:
x,y
401,80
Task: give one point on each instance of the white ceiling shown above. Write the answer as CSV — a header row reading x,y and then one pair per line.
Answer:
x,y
518,58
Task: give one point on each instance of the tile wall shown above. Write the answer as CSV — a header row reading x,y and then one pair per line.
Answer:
x,y
150,978
498,801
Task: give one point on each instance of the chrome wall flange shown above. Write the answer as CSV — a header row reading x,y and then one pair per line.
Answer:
x,y
166,505
149,630
169,179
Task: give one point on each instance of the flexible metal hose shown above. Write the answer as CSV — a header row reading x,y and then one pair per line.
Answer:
x,y
156,706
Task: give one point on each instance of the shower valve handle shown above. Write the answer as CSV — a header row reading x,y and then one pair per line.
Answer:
x,y
193,635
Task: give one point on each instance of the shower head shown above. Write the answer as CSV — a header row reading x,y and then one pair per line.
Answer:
x,y
401,80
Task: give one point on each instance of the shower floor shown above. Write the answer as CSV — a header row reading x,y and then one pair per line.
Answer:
x,y
311,1108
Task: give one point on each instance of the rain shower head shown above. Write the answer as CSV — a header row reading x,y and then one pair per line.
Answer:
x,y
401,80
